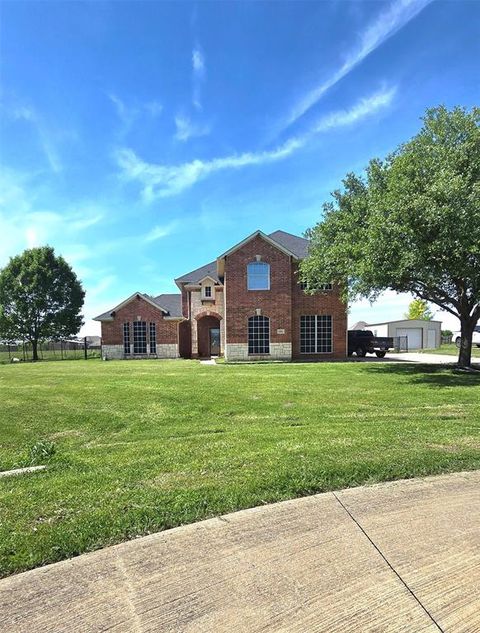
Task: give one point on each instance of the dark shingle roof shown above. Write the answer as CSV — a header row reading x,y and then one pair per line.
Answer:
x,y
195,275
103,316
297,245
171,303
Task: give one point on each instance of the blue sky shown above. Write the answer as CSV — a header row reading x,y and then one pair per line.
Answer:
x,y
142,139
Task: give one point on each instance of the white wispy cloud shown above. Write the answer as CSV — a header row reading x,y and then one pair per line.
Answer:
x,y
199,70
198,61
30,115
364,108
187,129
128,114
391,20
84,222
26,222
98,289
159,181
160,231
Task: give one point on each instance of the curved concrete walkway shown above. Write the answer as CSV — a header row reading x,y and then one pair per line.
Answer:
x,y
402,556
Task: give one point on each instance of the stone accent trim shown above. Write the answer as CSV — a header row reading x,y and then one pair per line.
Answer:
x,y
112,351
167,350
281,351
239,352
164,350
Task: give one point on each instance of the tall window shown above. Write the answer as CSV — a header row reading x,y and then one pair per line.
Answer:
x,y
139,337
258,276
208,292
126,338
153,338
315,334
259,335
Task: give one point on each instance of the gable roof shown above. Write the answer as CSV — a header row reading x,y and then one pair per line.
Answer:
x,y
157,302
267,238
196,275
287,242
295,244
172,303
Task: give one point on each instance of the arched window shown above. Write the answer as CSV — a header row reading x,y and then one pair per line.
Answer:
x,y
259,335
258,276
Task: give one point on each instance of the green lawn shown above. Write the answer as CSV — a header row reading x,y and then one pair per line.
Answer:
x,y
451,350
147,445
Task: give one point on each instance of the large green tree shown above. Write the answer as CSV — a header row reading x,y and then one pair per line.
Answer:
x,y
40,298
411,223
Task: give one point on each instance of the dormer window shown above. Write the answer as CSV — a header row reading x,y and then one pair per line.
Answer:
x,y
208,291
258,276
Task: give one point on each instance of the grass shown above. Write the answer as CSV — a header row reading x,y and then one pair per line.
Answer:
x,y
451,350
142,446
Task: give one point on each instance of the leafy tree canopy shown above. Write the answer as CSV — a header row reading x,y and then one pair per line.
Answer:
x,y
411,223
418,309
40,298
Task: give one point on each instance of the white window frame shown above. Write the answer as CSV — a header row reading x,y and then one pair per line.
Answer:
x,y
204,295
251,275
316,344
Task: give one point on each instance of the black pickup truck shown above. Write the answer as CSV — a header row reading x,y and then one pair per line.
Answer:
x,y
363,342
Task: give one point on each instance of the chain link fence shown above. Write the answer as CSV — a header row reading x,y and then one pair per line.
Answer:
x,y
71,349
400,343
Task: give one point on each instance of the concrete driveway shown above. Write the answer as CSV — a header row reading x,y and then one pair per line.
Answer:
x,y
402,556
411,357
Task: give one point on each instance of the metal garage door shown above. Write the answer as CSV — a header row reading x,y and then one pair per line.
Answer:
x,y
414,335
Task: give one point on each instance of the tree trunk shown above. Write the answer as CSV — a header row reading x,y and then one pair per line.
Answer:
x,y
465,352
35,350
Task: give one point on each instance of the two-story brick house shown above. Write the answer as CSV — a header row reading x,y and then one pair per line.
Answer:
x,y
247,304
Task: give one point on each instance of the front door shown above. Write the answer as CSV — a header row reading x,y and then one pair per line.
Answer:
x,y
215,341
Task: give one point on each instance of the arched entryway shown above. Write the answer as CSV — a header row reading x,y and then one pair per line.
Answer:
x,y
208,333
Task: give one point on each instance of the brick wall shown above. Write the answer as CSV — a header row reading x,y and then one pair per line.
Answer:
x,y
324,303
112,331
241,303
284,303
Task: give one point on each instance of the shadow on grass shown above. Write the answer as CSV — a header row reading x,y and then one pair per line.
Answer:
x,y
432,375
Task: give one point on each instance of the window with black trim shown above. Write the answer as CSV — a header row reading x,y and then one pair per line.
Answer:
x,y
259,335
126,338
315,334
139,337
258,276
153,338
208,292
